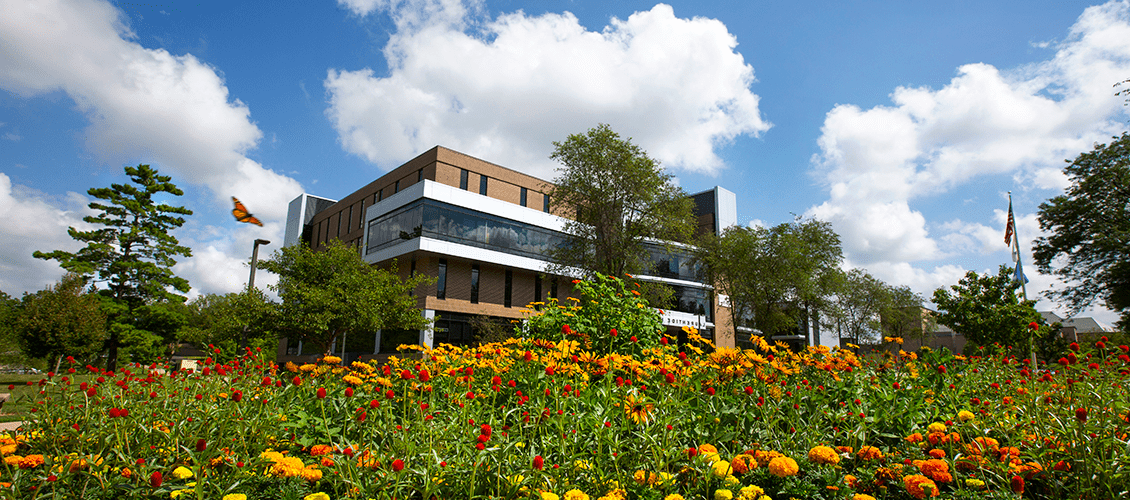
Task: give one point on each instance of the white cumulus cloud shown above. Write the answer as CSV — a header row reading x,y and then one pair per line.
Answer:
x,y
506,88
875,163
144,106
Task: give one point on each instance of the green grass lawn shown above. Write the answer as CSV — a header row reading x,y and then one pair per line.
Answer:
x,y
22,396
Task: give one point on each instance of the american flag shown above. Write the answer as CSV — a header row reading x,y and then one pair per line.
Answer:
x,y
1009,228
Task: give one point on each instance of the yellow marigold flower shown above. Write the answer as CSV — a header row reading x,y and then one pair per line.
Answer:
x,y
352,379
721,469
182,473
362,366
235,496
183,491
723,495
331,360
731,482
861,496
751,492
271,455
615,494
823,455
311,473
288,467
316,496
575,494
975,483
965,415
545,495
707,448
674,496
783,467
936,427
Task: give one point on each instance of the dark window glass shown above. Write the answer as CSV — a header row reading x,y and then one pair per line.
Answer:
x,y
553,288
441,281
380,195
396,187
460,225
412,273
349,221
463,179
400,225
537,288
523,200
483,185
509,289
475,284
361,218
339,214
672,263
419,175
545,205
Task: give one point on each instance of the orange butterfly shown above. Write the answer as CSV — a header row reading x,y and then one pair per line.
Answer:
x,y
241,214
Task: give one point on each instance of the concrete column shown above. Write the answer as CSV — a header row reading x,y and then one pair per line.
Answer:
x,y
427,335
377,342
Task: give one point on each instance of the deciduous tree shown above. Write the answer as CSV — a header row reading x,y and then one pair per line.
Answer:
x,y
333,292
63,320
986,309
621,197
1088,242
131,251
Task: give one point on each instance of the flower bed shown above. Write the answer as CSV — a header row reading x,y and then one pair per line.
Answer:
x,y
550,420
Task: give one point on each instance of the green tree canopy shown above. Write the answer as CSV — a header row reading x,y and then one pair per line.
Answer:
x,y
776,276
63,320
986,309
334,292
132,252
1088,245
621,197
220,320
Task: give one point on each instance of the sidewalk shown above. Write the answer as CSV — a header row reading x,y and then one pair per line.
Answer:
x,y
9,426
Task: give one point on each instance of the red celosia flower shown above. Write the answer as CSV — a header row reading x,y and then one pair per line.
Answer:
x,y
485,429
425,376
321,393
1033,326
1081,414
297,380
348,392
1017,485
941,368
710,391
566,330
201,445
397,465
155,479
389,394
613,332
634,339
266,381
663,341
1074,347
549,370
406,375
236,396
539,462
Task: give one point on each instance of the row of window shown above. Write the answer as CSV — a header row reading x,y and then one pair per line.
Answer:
x,y
465,174
508,291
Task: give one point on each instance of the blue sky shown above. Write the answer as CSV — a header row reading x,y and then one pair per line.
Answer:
x,y
904,124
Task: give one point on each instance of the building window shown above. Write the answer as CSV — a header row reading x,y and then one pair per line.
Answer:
x,y
474,283
339,214
396,187
509,288
361,218
553,288
545,205
420,175
483,185
441,280
379,196
523,198
537,288
412,274
349,221
463,179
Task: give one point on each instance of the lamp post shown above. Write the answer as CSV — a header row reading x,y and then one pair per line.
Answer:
x,y
251,284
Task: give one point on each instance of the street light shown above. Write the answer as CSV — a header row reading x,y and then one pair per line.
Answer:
x,y
255,258
251,284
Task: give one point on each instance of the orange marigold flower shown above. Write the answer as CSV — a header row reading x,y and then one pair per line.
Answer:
x,y
31,461
707,448
743,463
870,453
914,438
920,486
320,449
824,455
783,467
936,453
935,469
982,444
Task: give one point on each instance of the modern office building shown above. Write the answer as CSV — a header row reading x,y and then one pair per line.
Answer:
x,y
482,231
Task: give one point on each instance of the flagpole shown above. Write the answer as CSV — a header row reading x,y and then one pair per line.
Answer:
x,y
1015,243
